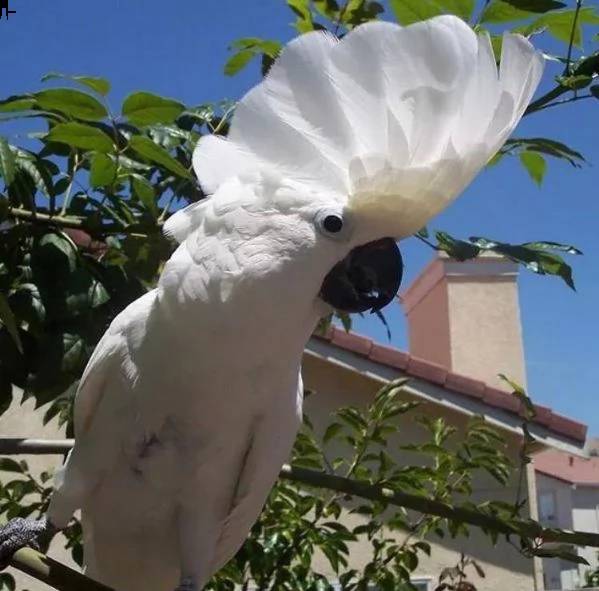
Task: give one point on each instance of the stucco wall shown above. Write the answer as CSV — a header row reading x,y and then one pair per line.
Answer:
x,y
25,421
576,507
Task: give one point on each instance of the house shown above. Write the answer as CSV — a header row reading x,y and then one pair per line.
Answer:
x,y
568,498
464,329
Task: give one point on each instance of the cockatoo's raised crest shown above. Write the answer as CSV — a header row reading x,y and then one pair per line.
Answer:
x,y
395,121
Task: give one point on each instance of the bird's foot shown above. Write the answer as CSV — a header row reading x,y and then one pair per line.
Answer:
x,y
187,584
19,532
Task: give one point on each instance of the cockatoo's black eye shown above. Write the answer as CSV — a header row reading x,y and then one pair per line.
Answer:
x,y
332,223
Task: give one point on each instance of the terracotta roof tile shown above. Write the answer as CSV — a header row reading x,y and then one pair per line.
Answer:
x,y
441,376
351,342
501,399
569,468
465,385
389,356
427,370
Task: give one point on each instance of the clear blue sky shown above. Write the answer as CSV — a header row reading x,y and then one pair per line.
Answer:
x,y
179,48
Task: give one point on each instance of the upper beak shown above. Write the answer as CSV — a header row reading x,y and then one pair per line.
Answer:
x,y
368,278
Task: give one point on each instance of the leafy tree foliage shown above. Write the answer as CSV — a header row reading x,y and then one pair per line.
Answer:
x,y
83,202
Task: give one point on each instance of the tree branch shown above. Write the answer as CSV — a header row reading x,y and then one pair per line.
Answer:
x,y
53,573
60,221
467,515
545,99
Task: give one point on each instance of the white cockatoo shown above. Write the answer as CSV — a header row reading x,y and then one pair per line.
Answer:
x,y
191,401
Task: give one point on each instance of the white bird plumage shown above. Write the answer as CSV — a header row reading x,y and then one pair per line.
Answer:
x,y
192,399
396,120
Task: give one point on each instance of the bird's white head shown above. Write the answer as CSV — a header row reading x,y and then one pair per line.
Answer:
x,y
348,146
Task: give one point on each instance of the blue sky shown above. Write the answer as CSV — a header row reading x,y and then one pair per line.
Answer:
x,y
178,49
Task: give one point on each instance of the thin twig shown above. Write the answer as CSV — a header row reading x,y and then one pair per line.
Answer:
x,y
75,223
572,99
67,195
427,242
545,99
572,33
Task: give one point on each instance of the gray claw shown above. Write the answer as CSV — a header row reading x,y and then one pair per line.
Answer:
x,y
19,532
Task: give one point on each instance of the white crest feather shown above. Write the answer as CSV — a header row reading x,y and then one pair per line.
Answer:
x,y
395,120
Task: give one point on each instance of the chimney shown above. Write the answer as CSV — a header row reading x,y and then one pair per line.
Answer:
x,y
466,316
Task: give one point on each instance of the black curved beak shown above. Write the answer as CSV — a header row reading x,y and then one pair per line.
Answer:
x,y
368,278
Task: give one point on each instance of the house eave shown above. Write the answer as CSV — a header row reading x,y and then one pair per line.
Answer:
x,y
545,437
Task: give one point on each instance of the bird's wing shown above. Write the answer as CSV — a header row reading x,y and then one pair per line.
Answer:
x,y
268,450
110,355
100,401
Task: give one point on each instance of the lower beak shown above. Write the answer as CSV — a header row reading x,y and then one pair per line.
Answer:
x,y
368,278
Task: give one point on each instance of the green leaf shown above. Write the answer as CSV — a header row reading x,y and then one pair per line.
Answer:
x,y
73,103
461,8
78,135
559,24
301,8
148,149
39,170
553,246
10,465
536,5
54,258
103,170
412,11
7,581
145,108
535,165
574,82
537,260
17,103
83,292
144,191
267,46
501,11
238,61
73,352
99,85
7,162
457,249
7,318
588,65
331,431
519,392
548,147
26,302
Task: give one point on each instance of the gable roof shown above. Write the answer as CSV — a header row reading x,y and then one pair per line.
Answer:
x,y
464,386
569,468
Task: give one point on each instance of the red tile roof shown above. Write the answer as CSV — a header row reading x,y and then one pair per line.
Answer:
x,y
459,384
571,469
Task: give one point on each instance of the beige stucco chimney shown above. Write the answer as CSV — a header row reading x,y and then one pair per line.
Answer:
x,y
466,316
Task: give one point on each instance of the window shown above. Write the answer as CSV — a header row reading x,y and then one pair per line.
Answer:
x,y
547,506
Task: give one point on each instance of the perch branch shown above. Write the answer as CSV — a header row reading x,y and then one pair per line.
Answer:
x,y
53,573
467,515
